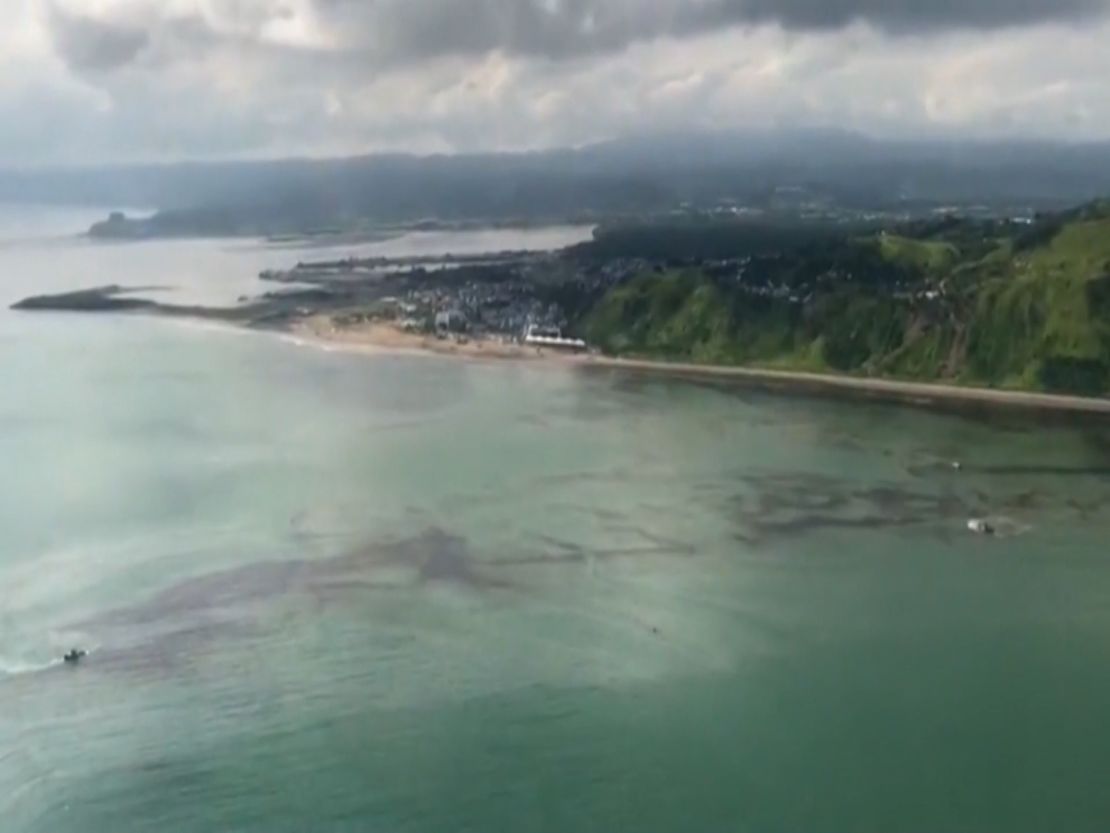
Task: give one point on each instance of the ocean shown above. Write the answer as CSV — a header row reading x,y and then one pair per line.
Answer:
x,y
341,592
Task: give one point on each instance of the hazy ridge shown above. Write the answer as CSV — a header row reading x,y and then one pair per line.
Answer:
x,y
629,176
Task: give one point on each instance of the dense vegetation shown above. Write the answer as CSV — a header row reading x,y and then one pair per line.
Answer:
x,y
712,239
1023,306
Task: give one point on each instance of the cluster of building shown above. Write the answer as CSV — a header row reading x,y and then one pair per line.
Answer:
x,y
745,276
529,297
504,309
513,300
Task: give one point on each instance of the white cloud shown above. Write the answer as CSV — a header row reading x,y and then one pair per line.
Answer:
x,y
269,77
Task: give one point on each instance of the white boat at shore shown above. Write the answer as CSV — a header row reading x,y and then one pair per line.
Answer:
x,y
552,338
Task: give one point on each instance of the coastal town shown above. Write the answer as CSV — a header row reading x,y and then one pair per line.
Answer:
x,y
918,301
522,296
528,298
532,298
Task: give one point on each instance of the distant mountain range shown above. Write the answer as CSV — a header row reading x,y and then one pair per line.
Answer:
x,y
627,176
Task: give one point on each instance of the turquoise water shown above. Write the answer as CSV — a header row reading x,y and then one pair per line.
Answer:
x,y
330,592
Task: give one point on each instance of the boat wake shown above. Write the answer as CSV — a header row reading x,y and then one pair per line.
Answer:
x,y
41,657
18,667
999,526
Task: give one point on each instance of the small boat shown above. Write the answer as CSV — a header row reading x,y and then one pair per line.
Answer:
x,y
74,656
980,526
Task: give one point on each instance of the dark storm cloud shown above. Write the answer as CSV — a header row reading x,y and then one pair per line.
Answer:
x,y
895,15
391,32
90,45
411,29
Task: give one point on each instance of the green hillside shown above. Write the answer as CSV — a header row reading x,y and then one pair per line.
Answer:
x,y
929,256
1024,307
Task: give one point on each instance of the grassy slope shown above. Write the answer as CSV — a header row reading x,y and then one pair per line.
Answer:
x,y
1043,309
1033,317
929,256
677,315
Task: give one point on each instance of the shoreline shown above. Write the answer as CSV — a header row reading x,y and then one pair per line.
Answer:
x,y
385,338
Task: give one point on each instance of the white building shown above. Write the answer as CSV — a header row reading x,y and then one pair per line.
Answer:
x,y
451,321
552,337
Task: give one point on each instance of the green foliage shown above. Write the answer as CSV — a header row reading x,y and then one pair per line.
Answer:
x,y
925,256
678,315
709,239
1067,374
1024,310
858,328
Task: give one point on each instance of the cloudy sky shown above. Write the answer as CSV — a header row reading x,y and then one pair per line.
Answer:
x,y
108,80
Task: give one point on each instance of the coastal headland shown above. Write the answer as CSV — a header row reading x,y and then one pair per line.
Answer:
x,y
982,312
